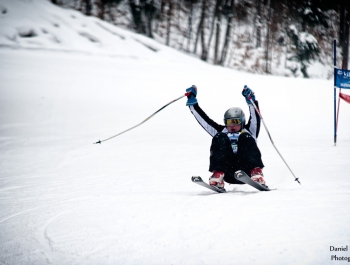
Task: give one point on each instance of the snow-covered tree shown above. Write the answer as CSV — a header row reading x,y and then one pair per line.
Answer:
x,y
305,48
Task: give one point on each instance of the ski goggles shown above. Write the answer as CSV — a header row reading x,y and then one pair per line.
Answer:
x,y
235,121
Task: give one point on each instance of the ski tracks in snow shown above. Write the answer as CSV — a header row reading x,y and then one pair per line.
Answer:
x,y
46,242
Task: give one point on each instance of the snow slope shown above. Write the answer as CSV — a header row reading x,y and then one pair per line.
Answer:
x,y
130,200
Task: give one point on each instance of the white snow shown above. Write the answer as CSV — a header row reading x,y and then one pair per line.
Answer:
x,y
65,200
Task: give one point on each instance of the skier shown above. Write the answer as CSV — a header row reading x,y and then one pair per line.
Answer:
x,y
234,144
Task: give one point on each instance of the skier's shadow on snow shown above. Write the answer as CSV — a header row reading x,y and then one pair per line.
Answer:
x,y
241,192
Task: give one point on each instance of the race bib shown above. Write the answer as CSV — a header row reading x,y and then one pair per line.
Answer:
x,y
234,141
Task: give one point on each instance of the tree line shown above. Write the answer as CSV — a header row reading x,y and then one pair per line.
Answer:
x,y
219,30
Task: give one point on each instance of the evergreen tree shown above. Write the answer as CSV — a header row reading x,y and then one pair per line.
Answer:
x,y
312,14
306,48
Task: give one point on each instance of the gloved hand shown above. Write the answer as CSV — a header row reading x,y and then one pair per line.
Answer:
x,y
248,94
191,94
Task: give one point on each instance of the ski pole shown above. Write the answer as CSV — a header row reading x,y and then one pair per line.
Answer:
x,y
100,141
257,110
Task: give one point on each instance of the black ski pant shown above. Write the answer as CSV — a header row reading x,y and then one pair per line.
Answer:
x,y
223,159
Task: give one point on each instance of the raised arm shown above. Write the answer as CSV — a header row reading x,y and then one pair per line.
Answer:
x,y
253,125
207,124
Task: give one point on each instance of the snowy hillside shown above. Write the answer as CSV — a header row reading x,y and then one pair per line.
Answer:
x,y
40,25
130,200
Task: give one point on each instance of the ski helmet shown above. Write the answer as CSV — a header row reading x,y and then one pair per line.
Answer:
x,y
234,113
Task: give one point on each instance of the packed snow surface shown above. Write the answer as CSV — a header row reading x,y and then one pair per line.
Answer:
x,y
130,200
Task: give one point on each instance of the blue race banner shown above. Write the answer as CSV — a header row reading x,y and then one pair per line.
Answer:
x,y
342,78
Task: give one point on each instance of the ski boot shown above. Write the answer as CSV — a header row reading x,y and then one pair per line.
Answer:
x,y
258,176
217,180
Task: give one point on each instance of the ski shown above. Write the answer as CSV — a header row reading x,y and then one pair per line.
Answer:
x,y
243,177
198,180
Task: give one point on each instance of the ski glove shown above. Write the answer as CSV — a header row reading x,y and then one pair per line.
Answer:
x,y
248,94
191,94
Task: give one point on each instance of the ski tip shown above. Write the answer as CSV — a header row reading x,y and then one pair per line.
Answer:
x,y
196,178
220,190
